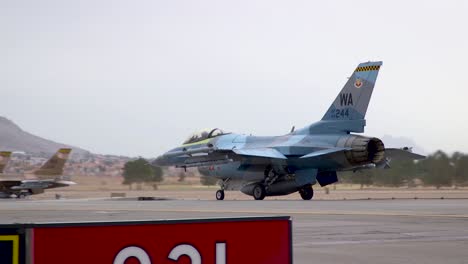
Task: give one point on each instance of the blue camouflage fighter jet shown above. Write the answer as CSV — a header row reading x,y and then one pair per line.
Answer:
x,y
262,166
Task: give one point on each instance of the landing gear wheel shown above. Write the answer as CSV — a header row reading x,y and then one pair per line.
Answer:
x,y
259,192
220,195
307,192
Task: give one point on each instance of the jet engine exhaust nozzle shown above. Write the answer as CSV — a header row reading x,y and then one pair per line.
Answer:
x,y
364,150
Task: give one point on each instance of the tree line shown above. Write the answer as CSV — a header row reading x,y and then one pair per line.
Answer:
x,y
140,172
438,170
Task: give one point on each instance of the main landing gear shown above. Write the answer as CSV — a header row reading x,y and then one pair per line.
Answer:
x,y
306,192
259,192
22,195
220,195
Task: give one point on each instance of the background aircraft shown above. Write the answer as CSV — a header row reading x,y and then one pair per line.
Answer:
x,y
48,176
280,165
4,158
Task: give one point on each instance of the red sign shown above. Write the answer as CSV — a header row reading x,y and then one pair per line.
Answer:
x,y
263,240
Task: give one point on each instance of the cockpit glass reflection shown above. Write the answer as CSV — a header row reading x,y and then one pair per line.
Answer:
x,y
203,134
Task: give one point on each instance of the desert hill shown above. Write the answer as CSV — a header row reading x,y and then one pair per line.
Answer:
x,y
13,138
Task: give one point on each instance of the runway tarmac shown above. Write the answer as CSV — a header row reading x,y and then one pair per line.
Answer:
x,y
352,231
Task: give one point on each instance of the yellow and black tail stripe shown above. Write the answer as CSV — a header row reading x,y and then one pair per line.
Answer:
x,y
65,150
368,68
5,154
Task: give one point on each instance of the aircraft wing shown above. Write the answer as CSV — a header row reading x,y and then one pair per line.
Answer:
x,y
269,153
323,152
402,154
216,156
34,184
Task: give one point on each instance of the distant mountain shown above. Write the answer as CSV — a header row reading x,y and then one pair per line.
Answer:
x,y
13,138
399,142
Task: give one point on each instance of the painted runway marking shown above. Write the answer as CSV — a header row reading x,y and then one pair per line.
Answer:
x,y
285,212
381,241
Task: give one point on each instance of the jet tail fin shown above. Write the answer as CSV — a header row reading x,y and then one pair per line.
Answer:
x,y
54,166
348,111
4,158
353,100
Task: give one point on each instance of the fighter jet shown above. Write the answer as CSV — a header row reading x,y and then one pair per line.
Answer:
x,y
48,176
263,166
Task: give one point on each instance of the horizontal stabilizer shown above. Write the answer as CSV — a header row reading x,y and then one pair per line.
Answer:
x,y
260,152
401,154
66,183
323,152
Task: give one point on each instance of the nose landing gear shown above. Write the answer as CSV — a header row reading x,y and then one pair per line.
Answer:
x,y
220,195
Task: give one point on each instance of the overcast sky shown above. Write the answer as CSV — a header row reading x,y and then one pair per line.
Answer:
x,y
136,77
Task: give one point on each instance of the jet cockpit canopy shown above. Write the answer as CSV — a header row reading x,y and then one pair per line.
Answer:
x,y
204,134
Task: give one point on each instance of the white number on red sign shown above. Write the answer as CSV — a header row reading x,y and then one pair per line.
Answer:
x,y
180,250
129,252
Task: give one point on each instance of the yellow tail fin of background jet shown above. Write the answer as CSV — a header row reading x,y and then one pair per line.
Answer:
x,y
4,158
54,166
